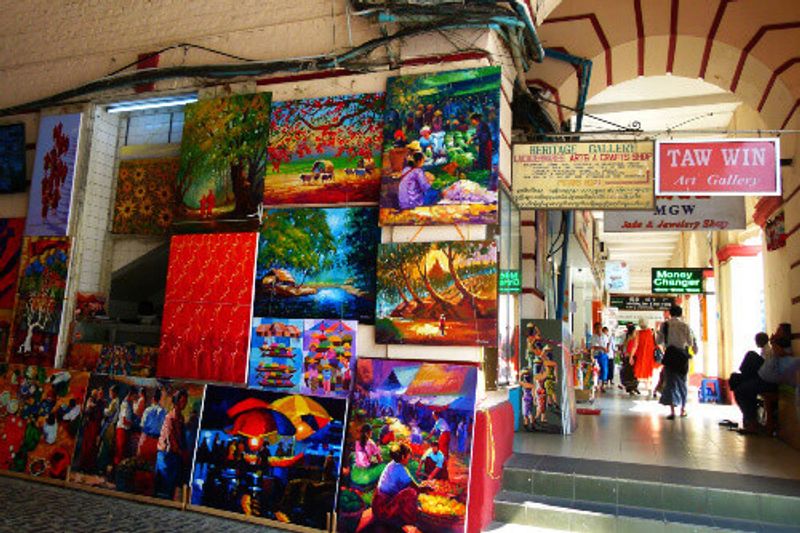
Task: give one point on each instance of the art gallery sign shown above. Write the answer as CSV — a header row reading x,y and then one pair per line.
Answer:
x,y
733,167
679,280
583,175
681,213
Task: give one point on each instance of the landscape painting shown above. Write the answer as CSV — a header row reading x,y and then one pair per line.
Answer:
x,y
11,231
276,354
317,263
12,158
408,447
325,151
124,419
269,454
440,148
220,182
40,300
145,203
50,196
40,413
329,349
442,293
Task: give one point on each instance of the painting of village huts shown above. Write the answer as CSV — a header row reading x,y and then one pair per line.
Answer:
x,y
267,454
317,263
40,413
12,158
325,151
50,197
137,436
329,349
276,354
408,447
40,300
442,293
220,182
441,145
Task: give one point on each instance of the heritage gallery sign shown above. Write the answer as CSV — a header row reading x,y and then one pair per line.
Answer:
x,y
678,280
632,302
733,167
584,175
681,213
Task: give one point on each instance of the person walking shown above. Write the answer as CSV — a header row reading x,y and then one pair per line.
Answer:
x,y
627,376
644,348
599,347
676,337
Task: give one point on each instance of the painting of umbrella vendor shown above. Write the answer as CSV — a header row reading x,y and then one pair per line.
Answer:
x,y
269,454
276,354
137,435
40,411
329,347
408,447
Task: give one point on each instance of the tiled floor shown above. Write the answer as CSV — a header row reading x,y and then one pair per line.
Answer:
x,y
635,430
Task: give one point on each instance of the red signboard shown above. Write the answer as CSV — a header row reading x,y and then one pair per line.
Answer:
x,y
735,167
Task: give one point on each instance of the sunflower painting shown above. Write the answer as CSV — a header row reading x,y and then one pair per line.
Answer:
x,y
145,196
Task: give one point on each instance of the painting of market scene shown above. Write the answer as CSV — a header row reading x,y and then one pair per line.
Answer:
x,y
325,150
223,162
276,354
408,447
442,293
317,263
441,144
269,454
40,413
137,436
329,347
114,359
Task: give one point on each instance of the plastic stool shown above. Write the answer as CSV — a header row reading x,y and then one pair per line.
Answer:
x,y
709,391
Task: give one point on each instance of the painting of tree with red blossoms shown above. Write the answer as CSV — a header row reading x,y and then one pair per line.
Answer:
x,y
325,151
53,172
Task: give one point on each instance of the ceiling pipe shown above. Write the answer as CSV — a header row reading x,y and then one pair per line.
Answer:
x,y
584,77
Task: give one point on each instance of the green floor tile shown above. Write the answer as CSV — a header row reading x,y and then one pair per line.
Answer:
x,y
639,494
733,504
683,499
553,484
595,489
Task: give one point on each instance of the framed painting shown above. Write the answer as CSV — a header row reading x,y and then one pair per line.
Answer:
x,y
276,354
40,413
12,158
441,145
325,151
442,293
145,203
329,349
113,359
126,425
317,263
220,182
44,265
11,231
408,447
274,455
50,198
208,307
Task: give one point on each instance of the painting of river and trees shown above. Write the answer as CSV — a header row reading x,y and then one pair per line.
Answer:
x,y
317,263
325,151
442,293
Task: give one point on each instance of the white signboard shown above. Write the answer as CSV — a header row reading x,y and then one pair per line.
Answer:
x,y
681,213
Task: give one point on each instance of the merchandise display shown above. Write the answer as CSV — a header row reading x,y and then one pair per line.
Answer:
x,y
145,203
11,231
12,158
113,359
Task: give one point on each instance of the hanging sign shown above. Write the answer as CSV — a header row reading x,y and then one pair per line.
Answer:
x,y
679,280
617,276
633,302
733,167
681,213
584,175
510,282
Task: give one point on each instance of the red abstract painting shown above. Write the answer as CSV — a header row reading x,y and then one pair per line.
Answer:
x,y
206,325
11,230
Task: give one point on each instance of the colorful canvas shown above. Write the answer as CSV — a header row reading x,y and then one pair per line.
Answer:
x,y
40,412
441,293
329,349
40,300
145,202
223,160
137,436
90,306
325,150
542,377
53,173
408,447
208,306
12,158
317,263
11,231
113,359
276,354
6,317
269,454
441,148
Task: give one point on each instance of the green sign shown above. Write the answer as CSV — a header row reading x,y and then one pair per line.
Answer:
x,y
679,280
510,281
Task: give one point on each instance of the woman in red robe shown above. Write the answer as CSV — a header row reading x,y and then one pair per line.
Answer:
x,y
644,362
